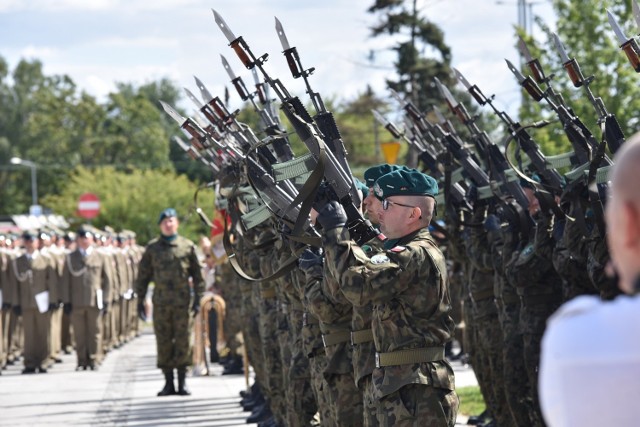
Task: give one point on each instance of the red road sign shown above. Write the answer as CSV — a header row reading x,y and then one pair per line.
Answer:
x,y
88,206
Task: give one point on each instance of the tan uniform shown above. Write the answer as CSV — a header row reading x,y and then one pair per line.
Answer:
x,y
87,279
32,276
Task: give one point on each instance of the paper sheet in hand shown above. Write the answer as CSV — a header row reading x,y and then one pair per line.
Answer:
x,y
42,301
99,301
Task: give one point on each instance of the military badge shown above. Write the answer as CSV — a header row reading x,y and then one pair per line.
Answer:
x,y
379,259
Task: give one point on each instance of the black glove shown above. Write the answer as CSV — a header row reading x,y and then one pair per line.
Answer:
x,y
141,311
6,306
67,308
492,223
324,195
52,306
332,216
310,257
17,310
195,308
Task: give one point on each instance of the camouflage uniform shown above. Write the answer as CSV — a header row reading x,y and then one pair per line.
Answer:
x,y
540,289
334,312
170,264
407,286
485,318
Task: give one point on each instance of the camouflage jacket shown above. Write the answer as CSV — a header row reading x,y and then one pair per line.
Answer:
x,y
169,265
409,292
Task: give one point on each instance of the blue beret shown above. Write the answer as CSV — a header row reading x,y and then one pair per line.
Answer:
x,y
167,213
410,182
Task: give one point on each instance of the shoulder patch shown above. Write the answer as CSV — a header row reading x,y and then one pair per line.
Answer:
x,y
379,259
397,249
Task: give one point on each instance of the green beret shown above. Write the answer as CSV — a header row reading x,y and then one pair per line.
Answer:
x,y
362,187
410,182
372,174
167,213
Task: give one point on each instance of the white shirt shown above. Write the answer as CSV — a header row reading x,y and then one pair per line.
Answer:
x,y
590,364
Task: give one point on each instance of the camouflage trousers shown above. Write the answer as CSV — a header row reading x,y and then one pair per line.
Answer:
x,y
301,401
533,320
317,365
345,399
172,326
369,402
274,386
418,405
517,387
490,343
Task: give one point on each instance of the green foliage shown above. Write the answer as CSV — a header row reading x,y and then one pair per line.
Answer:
x,y
133,200
471,400
585,32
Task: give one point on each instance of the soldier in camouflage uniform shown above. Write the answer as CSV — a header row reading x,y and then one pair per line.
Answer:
x,y
408,289
170,262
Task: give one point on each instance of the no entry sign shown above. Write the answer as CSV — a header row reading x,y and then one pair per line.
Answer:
x,y
88,206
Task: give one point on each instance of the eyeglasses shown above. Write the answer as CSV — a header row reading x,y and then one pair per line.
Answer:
x,y
387,202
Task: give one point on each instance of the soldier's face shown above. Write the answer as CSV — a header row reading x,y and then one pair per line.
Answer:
x,y
534,204
371,207
395,219
623,232
169,226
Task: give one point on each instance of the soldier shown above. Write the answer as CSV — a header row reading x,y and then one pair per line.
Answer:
x,y
34,289
86,289
170,261
407,286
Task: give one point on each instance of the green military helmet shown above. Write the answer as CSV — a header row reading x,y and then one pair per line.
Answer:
x,y
409,182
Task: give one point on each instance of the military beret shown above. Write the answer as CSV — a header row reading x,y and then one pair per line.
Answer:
x,y
29,235
409,182
372,174
84,231
167,213
362,187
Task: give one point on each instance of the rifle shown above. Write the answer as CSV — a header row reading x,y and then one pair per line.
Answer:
x,y
323,118
360,229
550,177
271,127
612,132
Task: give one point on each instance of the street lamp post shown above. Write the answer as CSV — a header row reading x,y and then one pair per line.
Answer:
x,y
34,181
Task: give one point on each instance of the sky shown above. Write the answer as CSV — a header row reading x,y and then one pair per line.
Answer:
x,y
101,42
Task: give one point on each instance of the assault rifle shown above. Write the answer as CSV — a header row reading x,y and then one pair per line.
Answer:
x,y
360,229
550,177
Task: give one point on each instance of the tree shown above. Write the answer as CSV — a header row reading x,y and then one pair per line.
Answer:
x,y
133,200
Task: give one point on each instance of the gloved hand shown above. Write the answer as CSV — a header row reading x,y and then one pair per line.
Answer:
x,y
332,216
6,306
309,258
17,310
492,223
67,308
52,306
324,195
141,311
195,308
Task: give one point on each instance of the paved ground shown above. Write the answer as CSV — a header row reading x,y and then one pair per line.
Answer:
x,y
123,393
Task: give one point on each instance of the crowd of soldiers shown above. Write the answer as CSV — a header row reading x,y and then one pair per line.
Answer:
x,y
62,291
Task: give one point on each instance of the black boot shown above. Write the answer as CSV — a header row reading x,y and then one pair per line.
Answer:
x,y
169,388
182,387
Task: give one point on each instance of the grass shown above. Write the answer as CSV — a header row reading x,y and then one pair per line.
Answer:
x,y
471,400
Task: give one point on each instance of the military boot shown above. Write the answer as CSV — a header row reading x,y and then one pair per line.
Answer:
x,y
169,388
182,387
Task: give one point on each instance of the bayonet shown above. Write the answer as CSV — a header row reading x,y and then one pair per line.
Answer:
x,y
636,12
224,27
628,45
193,98
173,113
206,95
238,83
282,36
622,38
524,50
227,67
564,57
